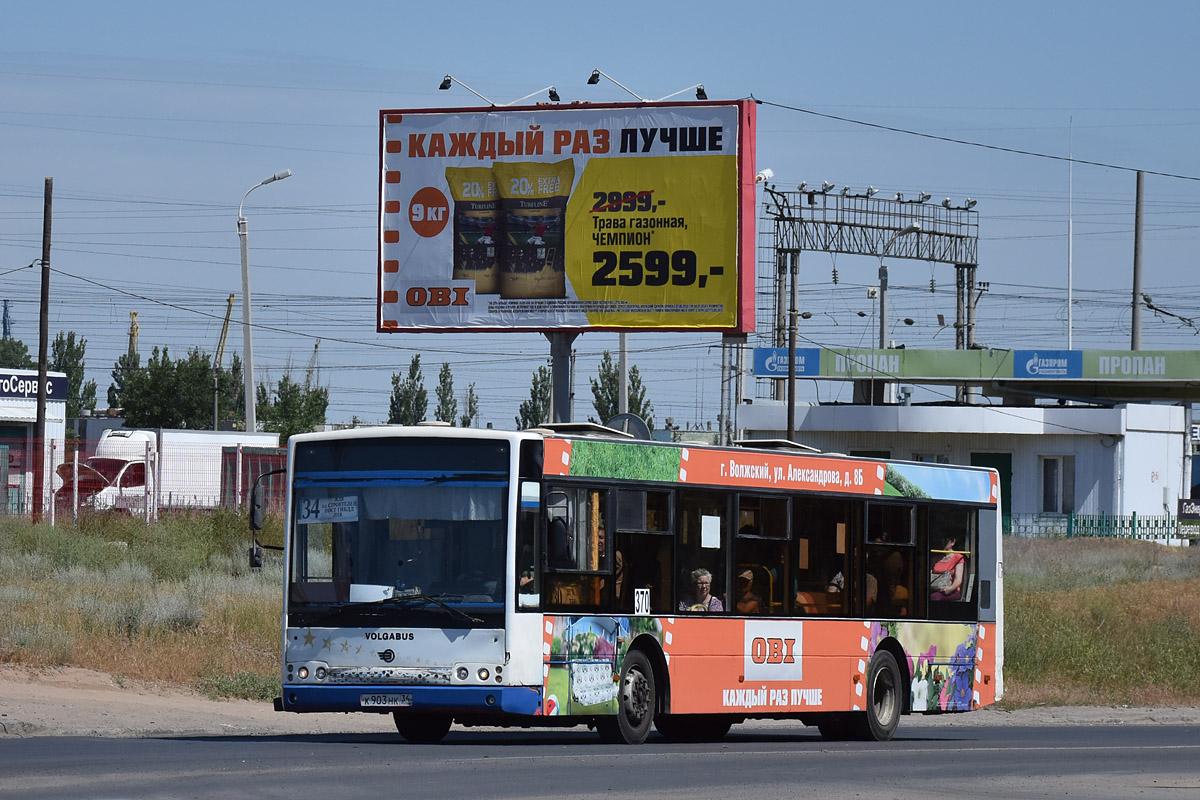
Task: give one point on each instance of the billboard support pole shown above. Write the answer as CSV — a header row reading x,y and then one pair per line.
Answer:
x,y
560,374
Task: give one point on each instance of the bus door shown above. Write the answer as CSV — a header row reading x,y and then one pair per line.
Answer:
x,y
643,561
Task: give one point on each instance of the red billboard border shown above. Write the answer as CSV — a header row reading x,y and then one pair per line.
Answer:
x,y
747,121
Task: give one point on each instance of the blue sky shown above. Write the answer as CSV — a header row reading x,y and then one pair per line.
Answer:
x,y
153,120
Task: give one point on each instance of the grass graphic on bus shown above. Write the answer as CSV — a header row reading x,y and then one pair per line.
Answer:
x,y
620,461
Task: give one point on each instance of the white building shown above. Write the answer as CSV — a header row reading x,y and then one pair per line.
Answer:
x,y
18,418
1131,458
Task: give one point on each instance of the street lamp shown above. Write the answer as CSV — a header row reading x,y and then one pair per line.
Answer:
x,y
247,345
883,281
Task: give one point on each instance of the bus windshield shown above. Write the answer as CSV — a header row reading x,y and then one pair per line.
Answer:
x,y
416,537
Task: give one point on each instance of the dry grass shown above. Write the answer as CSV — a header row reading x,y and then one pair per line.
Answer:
x,y
1093,621
1088,621
173,603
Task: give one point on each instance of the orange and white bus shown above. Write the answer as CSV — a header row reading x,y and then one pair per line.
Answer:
x,y
570,576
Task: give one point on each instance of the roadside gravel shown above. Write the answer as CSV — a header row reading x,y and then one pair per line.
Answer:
x,y
76,702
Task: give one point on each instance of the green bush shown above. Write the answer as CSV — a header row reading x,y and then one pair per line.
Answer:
x,y
240,686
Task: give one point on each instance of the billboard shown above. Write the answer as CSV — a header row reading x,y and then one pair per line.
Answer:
x,y
618,217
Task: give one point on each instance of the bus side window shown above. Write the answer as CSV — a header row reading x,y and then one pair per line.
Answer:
x,y
702,547
762,571
952,563
888,562
642,560
528,585
823,582
577,548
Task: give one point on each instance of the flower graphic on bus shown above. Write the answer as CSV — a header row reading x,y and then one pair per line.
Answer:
x,y
955,694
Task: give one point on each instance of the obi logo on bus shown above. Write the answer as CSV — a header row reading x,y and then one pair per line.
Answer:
x,y
772,651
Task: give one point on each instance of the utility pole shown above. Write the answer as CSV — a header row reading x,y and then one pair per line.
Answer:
x,y
39,435
1135,334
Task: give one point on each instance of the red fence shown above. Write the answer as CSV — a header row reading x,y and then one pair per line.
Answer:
x,y
135,478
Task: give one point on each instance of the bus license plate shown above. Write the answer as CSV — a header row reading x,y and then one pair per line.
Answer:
x,y
385,700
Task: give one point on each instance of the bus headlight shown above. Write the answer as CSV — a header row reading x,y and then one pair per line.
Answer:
x,y
483,673
463,673
302,673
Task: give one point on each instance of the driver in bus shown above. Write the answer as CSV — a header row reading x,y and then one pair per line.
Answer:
x,y
702,598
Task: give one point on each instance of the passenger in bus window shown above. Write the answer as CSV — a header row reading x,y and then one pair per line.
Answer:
x,y
559,537
702,598
747,601
946,574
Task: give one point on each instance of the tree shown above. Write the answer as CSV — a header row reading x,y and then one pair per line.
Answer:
x,y
447,406
606,389
14,354
290,407
536,410
66,355
151,393
179,394
125,365
471,416
409,398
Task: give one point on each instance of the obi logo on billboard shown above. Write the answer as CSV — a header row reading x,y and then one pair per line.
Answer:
x,y
1044,364
624,216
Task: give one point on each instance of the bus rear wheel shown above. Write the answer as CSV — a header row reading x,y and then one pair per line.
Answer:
x,y
636,700
882,717
422,727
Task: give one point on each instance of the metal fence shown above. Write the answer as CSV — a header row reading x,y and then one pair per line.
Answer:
x,y
142,482
1144,527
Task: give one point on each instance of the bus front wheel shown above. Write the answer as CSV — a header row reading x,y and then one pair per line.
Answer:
x,y
636,700
420,727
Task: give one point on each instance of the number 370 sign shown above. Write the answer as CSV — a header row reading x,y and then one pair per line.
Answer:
x,y
620,216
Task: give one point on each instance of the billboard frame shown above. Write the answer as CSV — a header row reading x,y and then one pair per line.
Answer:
x,y
743,196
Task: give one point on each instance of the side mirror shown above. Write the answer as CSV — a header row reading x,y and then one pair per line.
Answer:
x,y
258,513
258,509
258,502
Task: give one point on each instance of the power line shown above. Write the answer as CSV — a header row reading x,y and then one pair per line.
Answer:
x,y
968,143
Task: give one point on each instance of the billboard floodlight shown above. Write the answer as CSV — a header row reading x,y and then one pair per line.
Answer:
x,y
449,79
700,93
552,93
594,78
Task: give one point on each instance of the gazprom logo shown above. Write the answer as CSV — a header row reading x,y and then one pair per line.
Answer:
x,y
777,362
1048,364
1047,367
772,362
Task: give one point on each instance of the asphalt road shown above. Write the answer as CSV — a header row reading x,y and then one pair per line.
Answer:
x,y
756,761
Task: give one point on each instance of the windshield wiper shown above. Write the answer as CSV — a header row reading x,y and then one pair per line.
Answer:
x,y
404,598
454,612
